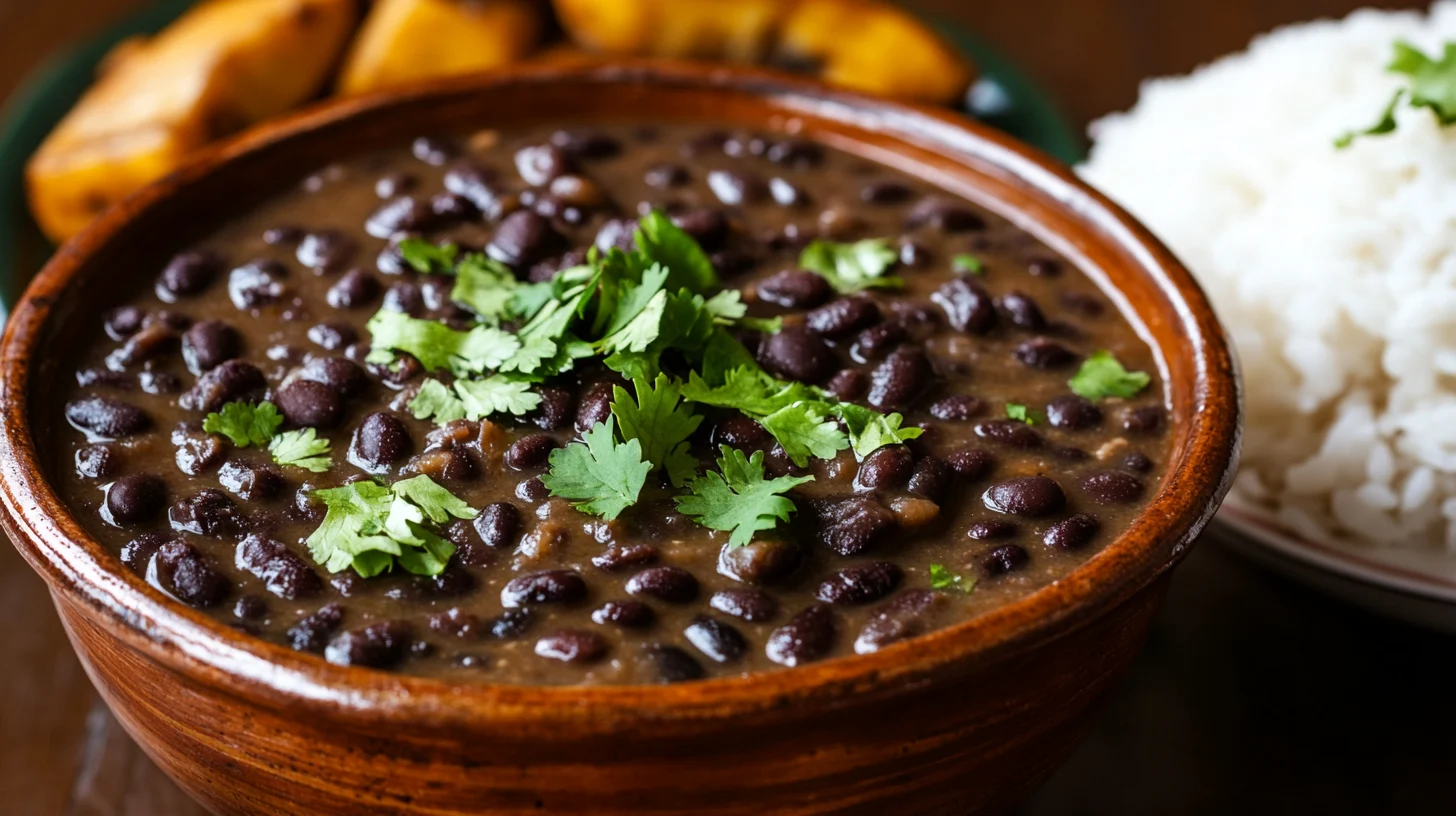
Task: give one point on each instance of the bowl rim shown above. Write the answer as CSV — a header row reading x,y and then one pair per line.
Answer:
x,y
80,570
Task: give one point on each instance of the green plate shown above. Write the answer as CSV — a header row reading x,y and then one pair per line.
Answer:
x,y
1004,98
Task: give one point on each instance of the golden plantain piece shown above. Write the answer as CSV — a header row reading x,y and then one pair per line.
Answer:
x,y
222,66
404,41
872,46
739,30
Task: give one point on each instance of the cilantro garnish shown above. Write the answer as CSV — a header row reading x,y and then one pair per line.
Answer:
x,y
437,346
245,424
806,431
427,258
966,262
473,399
852,267
1019,412
871,430
738,498
371,527
943,579
661,422
603,476
664,243
485,286
1103,376
301,449
1432,85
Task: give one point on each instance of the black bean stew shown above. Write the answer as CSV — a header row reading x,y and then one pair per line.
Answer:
x,y
609,405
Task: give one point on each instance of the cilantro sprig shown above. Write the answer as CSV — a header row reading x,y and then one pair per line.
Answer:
x,y
600,474
738,499
943,579
302,449
852,267
373,528
1102,376
659,419
1431,84
245,424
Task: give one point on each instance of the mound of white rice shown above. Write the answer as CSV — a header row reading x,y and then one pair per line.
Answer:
x,y
1334,270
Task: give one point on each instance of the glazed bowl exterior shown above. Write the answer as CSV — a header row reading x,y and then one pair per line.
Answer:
x,y
964,720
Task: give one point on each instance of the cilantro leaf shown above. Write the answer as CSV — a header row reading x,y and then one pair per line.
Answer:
x,y
602,476
870,430
371,527
1385,124
1101,376
1432,85
1019,412
427,258
438,504
661,422
496,395
436,400
301,449
852,267
737,498
943,579
485,286
749,389
438,346
245,424
640,332
966,262
806,432
727,307
663,242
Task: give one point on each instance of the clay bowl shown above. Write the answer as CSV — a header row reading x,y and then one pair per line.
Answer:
x,y
964,720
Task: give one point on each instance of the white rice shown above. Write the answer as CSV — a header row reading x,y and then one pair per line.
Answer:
x,y
1334,270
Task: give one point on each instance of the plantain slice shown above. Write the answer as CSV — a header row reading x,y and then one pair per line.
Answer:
x,y
739,30
411,40
874,47
222,66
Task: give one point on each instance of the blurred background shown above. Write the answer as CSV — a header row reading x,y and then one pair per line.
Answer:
x,y
1255,695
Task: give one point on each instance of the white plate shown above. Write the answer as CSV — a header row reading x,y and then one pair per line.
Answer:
x,y
1418,586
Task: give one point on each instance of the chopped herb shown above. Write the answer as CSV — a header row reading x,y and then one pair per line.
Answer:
x,y
806,432
943,579
737,498
966,262
601,475
437,346
244,423
1019,413
301,449
473,399
871,430
1432,85
665,244
372,528
661,422
486,287
1102,376
427,258
852,267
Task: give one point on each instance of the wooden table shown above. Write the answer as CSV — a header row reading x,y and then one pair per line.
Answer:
x,y
1254,696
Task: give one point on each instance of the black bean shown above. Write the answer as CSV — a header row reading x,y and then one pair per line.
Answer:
x,y
967,306
957,408
905,616
391,185
532,490
795,289
557,408
706,225
452,582
152,341
256,284
1025,496
309,404
1145,420
1073,413
432,151
1113,487
808,636
405,297
233,381
282,571
627,614
587,144
877,341
843,317
102,378
991,530
932,479
523,238
354,289
209,513
377,646
914,254
531,451
667,664
511,623
135,498
498,524
971,464
1071,533
96,462
795,153
398,374
106,418
572,646
332,336
251,608
197,452
900,379
176,321
187,575
885,469
449,208
1004,559
1044,354
380,440
251,482
1044,268
1011,432
594,407
1022,312
885,192
944,216
123,321
851,526
456,622
717,640
478,185
616,233
848,384
1137,462
737,187
666,176
859,585
160,382
399,216
343,376
547,587
625,556
311,633
208,344
798,355
326,250
538,165
785,194
665,584
188,274
137,553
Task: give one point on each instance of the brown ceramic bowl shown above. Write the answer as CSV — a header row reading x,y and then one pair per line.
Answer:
x,y
964,720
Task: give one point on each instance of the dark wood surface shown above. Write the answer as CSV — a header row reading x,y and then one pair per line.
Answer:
x,y
1254,695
